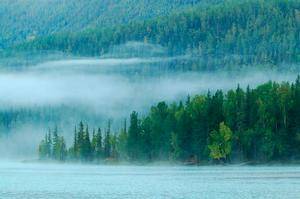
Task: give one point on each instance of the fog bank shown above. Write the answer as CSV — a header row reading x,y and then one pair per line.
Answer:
x,y
96,87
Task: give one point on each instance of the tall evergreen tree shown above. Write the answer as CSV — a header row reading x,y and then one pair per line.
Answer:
x,y
122,142
86,145
107,141
134,137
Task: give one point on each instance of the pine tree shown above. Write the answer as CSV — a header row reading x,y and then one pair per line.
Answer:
x,y
133,137
48,141
86,147
114,143
107,143
55,148
75,145
99,145
93,144
80,141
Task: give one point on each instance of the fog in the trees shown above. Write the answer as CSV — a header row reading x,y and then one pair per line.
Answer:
x,y
97,89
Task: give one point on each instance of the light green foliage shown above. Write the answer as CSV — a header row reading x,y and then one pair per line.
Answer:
x,y
221,141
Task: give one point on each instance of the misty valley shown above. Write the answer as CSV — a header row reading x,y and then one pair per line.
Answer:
x,y
58,95
150,99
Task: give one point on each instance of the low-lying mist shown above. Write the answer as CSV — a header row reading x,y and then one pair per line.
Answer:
x,y
86,82
97,88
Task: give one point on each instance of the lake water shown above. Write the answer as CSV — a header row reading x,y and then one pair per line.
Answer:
x,y
24,180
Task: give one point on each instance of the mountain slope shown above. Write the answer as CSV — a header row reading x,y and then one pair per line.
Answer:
x,y
249,32
26,19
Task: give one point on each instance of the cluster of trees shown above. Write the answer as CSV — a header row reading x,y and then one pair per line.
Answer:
x,y
245,32
97,148
84,148
53,146
261,124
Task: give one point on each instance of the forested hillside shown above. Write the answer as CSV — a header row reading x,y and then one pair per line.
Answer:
x,y
246,32
25,19
260,124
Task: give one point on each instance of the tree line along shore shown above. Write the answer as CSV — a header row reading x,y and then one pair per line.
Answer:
x,y
259,125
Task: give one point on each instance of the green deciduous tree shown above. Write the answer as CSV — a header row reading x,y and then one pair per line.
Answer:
x,y
221,143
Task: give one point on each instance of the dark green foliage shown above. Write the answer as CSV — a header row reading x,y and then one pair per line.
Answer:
x,y
231,33
82,144
52,16
107,141
261,124
86,146
134,137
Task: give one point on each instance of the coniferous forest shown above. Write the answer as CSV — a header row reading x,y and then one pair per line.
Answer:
x,y
235,32
230,28
257,125
150,99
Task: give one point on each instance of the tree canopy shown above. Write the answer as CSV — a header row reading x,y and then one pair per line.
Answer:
x,y
239,33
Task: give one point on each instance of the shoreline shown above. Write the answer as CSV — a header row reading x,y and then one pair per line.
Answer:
x,y
163,163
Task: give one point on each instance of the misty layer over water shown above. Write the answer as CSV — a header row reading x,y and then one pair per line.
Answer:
x,y
94,90
88,82
24,181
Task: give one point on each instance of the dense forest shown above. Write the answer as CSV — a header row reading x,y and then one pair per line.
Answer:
x,y
258,125
244,33
23,20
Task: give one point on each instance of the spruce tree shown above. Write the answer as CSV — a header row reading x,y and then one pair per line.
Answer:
x,y
80,141
93,144
86,148
107,143
133,137
99,145
55,148
75,145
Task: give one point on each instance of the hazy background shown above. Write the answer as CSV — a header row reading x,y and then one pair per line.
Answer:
x,y
64,90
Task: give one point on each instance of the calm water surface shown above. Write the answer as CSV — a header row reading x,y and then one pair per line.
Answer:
x,y
24,180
